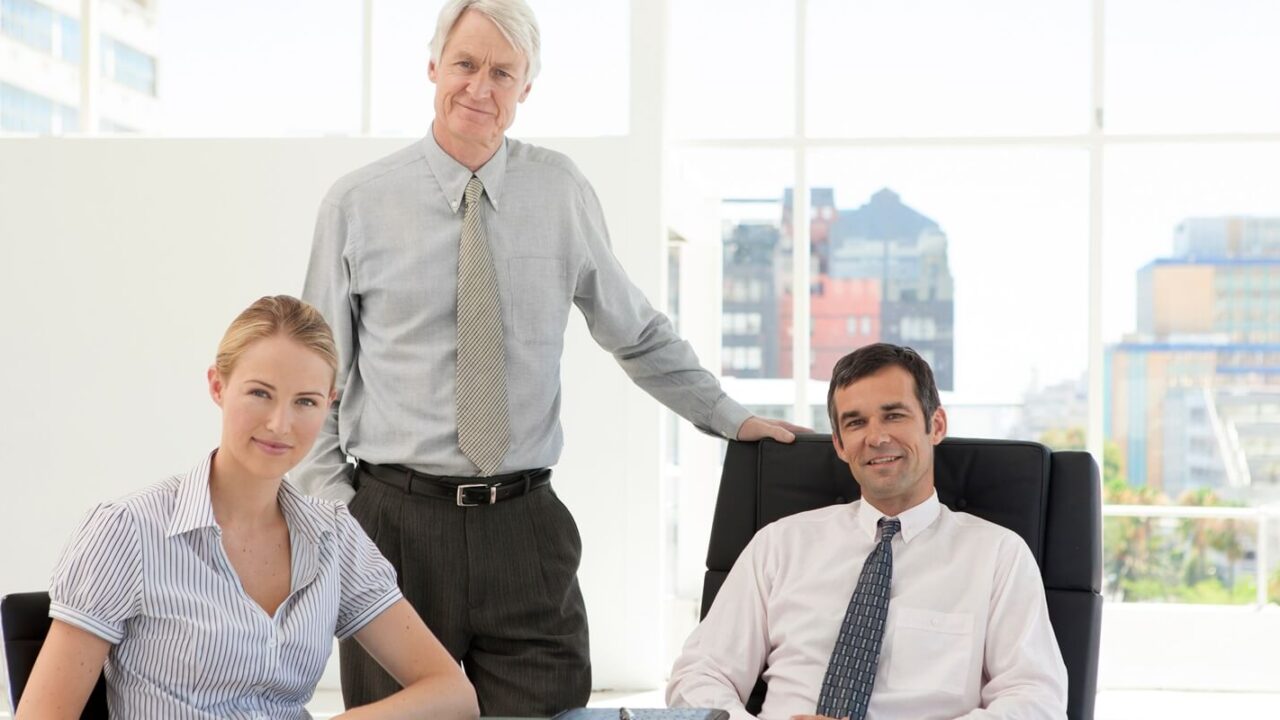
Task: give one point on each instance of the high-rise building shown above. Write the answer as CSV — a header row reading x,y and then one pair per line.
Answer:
x,y
41,60
879,272
1219,237
1194,395
905,253
750,335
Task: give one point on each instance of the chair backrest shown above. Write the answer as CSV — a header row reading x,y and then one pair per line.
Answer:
x,y
24,622
1051,499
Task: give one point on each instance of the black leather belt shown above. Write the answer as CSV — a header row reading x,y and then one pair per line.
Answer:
x,y
463,491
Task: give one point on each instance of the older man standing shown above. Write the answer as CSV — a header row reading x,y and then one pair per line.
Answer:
x,y
447,270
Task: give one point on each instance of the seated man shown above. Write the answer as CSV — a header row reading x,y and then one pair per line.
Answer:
x,y
889,607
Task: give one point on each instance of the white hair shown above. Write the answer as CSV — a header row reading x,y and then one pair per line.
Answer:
x,y
514,19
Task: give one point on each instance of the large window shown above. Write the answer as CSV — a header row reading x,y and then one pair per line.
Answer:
x,y
1070,209
267,68
939,68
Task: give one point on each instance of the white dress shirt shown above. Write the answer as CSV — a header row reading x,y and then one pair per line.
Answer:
x,y
149,575
967,636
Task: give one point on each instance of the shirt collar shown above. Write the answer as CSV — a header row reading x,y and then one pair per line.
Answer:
x,y
453,176
193,507
314,519
914,521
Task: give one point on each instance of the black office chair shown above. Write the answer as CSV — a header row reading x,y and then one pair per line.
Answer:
x,y
1052,499
24,622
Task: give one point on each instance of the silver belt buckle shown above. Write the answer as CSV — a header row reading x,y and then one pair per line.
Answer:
x,y
462,489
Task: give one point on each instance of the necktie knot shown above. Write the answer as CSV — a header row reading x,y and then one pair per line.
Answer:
x,y
474,189
888,528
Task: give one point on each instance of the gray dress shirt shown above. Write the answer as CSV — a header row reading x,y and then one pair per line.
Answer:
x,y
383,271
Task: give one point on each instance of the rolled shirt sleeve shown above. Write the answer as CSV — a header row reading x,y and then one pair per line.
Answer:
x,y
97,583
368,581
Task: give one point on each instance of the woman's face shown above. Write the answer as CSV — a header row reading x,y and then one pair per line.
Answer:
x,y
273,405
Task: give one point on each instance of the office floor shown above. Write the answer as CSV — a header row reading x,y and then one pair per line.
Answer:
x,y
1112,704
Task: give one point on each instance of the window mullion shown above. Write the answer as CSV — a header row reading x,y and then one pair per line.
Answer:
x,y
1096,408
800,248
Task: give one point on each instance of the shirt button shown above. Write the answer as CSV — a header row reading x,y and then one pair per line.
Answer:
x,y
271,642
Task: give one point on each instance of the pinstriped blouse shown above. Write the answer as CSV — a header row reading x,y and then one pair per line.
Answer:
x,y
148,573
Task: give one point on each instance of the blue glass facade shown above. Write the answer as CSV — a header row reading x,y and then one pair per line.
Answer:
x,y
26,112
43,29
28,22
128,66
70,48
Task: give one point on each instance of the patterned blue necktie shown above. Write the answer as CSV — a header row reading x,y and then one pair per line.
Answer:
x,y
846,688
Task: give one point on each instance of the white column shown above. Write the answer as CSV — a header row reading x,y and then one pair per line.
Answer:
x,y
90,69
623,582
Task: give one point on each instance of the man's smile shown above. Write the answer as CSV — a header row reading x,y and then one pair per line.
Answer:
x,y
884,460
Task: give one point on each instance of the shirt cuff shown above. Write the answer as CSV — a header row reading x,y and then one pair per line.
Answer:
x,y
85,622
727,417
376,608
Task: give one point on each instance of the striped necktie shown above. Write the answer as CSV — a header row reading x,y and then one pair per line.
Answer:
x,y
483,430
851,673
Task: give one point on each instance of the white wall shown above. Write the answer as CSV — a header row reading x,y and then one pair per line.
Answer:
x,y
123,260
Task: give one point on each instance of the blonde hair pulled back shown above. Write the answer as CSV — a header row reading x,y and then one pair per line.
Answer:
x,y
271,316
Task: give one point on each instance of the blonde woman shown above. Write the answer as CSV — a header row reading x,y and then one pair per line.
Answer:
x,y
217,593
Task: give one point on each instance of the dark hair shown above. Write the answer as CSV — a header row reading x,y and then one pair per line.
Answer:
x,y
871,359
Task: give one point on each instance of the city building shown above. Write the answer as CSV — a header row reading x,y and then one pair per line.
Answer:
x,y
906,254
41,60
880,273
1194,392
751,338
1057,413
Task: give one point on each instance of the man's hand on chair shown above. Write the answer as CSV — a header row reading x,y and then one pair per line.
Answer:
x,y
758,428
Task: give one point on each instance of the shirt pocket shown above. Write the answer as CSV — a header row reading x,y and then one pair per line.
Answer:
x,y
931,651
539,299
